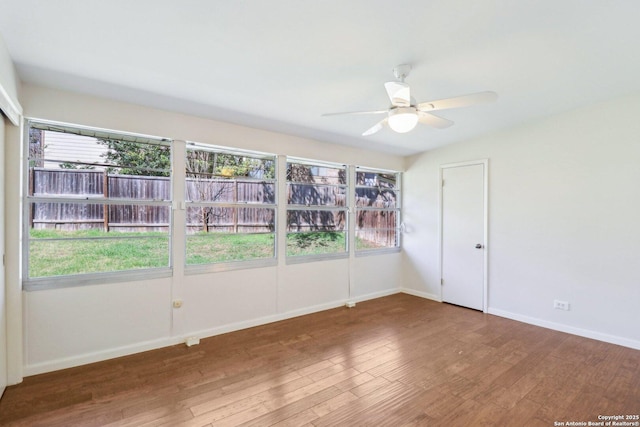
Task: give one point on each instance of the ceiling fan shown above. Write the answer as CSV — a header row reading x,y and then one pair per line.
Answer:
x,y
404,113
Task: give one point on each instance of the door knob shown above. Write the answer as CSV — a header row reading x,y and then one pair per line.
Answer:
x,y
478,246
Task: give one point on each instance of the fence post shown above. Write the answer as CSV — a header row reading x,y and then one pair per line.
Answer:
x,y
235,210
105,207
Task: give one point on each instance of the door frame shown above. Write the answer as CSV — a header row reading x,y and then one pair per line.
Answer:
x,y
4,352
485,231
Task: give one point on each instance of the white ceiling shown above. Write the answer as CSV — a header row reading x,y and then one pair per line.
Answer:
x,y
280,64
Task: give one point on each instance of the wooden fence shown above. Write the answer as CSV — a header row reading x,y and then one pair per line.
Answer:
x,y
374,226
377,226
136,217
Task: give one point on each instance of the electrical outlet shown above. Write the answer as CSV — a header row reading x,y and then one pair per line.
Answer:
x,y
561,305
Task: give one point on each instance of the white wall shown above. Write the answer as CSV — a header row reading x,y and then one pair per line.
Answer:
x,y
564,212
71,326
9,85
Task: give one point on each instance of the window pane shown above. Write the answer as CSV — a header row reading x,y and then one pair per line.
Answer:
x,y
66,216
376,229
316,195
376,179
204,163
115,154
309,185
135,158
82,216
316,220
229,190
376,238
316,243
94,251
215,219
138,187
205,248
97,184
66,182
315,232
375,197
308,173
223,234
376,219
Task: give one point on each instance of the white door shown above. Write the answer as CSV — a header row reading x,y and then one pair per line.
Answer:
x,y
463,234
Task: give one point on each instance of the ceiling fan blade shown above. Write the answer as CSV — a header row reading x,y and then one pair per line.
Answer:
x,y
356,112
399,93
433,120
458,101
375,128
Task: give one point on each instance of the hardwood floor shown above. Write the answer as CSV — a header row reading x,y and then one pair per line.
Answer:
x,y
398,360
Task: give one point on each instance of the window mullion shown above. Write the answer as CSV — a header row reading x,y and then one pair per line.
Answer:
x,y
98,200
178,231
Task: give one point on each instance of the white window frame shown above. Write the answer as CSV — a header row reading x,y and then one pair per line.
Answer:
x,y
296,259
398,209
81,279
234,264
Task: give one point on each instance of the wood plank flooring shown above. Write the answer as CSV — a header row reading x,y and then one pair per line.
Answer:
x,y
393,361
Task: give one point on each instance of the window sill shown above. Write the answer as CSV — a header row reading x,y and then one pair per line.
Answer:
x,y
384,251
229,266
59,282
301,259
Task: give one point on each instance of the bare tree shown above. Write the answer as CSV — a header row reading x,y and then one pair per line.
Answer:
x,y
212,177
201,167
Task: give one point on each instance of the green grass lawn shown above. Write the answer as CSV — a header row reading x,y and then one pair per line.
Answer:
x,y
205,248
315,243
69,252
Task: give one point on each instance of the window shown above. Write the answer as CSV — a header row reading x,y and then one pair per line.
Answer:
x,y
99,207
97,202
316,209
377,210
231,205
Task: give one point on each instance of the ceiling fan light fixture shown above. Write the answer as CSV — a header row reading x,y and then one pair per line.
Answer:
x,y
404,113
403,119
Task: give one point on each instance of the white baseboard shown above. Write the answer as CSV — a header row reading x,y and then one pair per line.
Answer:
x,y
420,294
374,295
232,327
612,339
99,356
87,358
